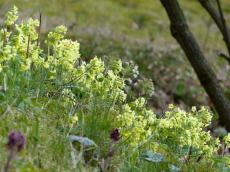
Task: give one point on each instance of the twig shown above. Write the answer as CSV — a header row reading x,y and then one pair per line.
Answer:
x,y
28,47
224,56
218,17
199,158
9,159
226,33
4,38
189,153
188,156
39,28
223,150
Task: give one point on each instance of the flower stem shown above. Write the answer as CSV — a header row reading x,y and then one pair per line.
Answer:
x,y
9,160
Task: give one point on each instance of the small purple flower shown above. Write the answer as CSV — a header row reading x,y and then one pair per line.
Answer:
x,y
115,135
16,140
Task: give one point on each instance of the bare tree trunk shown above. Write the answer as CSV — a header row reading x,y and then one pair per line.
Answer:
x,y
183,35
218,17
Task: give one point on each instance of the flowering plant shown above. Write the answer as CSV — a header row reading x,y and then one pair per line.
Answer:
x,y
56,93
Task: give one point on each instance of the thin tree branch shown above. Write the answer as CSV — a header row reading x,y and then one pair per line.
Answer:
x,y
181,32
226,33
28,47
218,17
225,57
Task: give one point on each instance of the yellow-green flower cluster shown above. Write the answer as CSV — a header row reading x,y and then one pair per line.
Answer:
x,y
11,16
56,35
67,52
187,129
135,120
227,140
20,45
116,66
26,44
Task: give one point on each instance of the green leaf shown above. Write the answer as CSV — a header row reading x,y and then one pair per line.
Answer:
x,y
152,157
180,89
174,168
86,142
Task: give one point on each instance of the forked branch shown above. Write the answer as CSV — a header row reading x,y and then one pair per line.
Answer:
x,y
181,32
